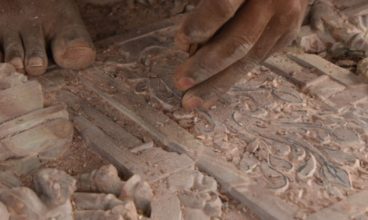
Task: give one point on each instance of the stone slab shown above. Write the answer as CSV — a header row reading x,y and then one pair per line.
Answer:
x,y
152,164
32,119
20,100
289,69
350,208
350,96
325,67
270,146
179,140
323,87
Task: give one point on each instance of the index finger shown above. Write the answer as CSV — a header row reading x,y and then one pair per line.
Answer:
x,y
205,21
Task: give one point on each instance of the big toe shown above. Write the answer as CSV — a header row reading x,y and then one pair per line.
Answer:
x,y
72,48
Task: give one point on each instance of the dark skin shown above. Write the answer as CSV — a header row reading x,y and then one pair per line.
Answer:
x,y
27,27
233,36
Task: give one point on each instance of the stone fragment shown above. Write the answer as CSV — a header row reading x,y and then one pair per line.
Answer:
x,y
309,41
166,207
192,199
4,214
6,69
32,119
104,180
19,100
23,202
196,214
335,27
54,187
55,134
139,191
117,213
8,180
362,68
9,79
21,166
142,147
96,201
213,207
62,212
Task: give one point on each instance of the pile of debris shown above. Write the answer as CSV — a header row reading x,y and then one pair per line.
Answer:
x,y
100,195
337,27
30,133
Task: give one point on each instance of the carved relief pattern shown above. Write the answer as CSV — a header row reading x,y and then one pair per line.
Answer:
x,y
309,154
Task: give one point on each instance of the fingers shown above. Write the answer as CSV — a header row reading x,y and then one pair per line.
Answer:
x,y
13,50
233,43
205,21
207,93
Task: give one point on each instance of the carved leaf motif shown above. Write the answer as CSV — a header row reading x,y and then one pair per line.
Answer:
x,y
248,163
345,135
163,94
337,175
297,153
308,169
341,158
288,96
280,149
280,164
276,180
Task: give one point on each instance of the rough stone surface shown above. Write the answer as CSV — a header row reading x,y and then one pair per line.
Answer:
x,y
4,214
104,180
54,187
166,207
139,191
363,68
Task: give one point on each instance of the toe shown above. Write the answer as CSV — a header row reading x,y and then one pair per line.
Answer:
x,y
13,50
72,47
35,51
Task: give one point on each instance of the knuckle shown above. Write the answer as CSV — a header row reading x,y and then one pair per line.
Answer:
x,y
240,44
224,9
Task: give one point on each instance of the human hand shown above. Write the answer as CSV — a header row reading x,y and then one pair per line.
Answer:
x,y
234,36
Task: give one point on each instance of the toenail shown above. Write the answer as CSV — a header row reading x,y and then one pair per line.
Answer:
x,y
192,102
186,83
35,62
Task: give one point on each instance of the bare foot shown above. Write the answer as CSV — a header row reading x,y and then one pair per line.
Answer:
x,y
29,27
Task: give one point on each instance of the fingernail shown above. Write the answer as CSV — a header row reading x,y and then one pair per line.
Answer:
x,y
186,83
35,62
192,102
